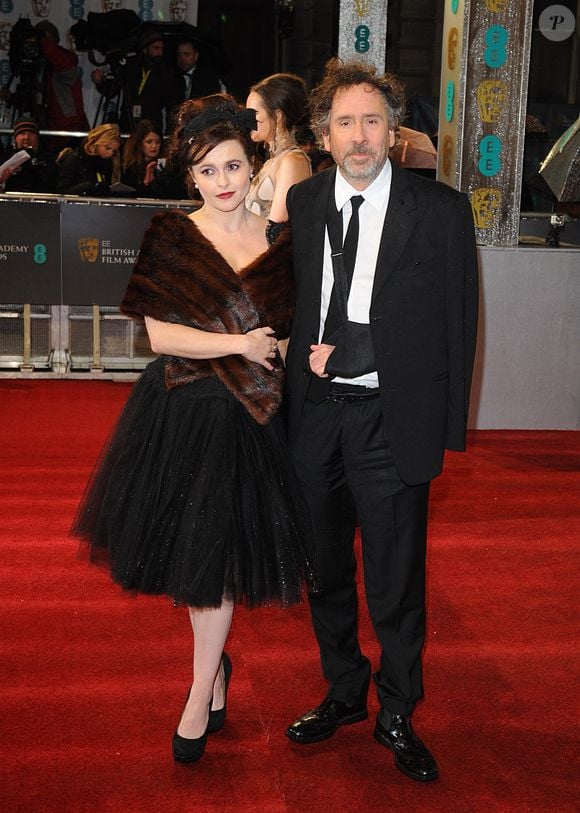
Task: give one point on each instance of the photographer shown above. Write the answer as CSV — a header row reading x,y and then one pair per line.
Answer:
x,y
148,86
93,167
62,82
35,175
50,87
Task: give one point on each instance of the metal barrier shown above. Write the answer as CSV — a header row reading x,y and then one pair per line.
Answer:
x,y
66,341
75,255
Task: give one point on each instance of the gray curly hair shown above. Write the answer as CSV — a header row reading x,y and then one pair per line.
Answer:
x,y
339,75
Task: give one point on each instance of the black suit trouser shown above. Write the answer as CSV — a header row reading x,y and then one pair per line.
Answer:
x,y
347,471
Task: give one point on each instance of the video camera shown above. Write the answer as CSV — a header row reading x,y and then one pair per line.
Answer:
x,y
113,34
24,53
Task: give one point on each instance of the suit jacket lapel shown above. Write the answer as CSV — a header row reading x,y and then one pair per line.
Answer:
x,y
314,250
400,221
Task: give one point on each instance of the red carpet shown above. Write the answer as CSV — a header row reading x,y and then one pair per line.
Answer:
x,y
93,681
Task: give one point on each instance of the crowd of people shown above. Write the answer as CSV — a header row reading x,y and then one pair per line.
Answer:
x,y
144,95
135,156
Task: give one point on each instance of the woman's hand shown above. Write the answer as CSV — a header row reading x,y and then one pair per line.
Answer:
x,y
261,346
150,172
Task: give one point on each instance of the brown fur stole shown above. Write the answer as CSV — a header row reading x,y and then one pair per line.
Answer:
x,y
181,278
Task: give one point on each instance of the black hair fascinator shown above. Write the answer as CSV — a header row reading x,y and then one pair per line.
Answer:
x,y
242,120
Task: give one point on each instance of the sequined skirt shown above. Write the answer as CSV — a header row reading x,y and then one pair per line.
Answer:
x,y
193,499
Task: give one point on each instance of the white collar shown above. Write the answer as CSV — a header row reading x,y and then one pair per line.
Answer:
x,y
374,193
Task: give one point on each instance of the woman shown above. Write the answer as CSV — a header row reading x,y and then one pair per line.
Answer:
x,y
150,176
140,154
94,166
280,103
195,496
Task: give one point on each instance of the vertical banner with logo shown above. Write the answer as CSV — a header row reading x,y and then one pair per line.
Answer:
x,y
488,162
362,32
452,93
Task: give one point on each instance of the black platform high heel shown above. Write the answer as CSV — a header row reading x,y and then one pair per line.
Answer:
x,y
189,750
217,718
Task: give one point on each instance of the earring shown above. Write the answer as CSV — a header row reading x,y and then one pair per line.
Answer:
x,y
251,175
195,185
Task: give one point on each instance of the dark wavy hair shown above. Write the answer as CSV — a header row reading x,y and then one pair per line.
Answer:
x,y
188,146
339,75
285,92
133,152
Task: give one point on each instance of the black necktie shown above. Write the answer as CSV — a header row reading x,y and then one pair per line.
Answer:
x,y
349,248
318,390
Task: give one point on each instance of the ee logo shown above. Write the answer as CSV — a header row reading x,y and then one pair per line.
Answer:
x,y
146,9
40,253
77,9
496,39
6,6
449,101
5,72
489,149
362,41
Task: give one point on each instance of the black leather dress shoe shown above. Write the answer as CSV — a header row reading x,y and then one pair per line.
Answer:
x,y
411,756
321,723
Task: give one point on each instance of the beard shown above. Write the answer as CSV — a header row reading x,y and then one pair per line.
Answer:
x,y
356,170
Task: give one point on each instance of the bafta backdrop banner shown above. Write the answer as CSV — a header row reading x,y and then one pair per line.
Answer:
x,y
29,265
100,244
452,92
362,33
482,110
64,14
495,116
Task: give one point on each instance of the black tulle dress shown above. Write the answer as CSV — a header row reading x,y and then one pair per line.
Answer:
x,y
195,496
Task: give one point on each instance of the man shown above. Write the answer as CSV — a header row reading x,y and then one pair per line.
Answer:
x,y
369,422
148,86
50,88
197,77
62,82
38,174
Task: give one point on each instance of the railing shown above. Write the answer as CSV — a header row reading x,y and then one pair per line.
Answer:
x,y
64,265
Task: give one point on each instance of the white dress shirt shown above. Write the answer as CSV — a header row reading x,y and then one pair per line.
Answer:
x,y
371,220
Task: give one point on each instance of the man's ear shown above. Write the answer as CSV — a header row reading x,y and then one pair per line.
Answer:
x,y
326,141
391,139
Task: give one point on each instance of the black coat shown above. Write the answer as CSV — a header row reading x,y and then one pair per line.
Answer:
x,y
159,92
36,175
423,314
204,81
82,174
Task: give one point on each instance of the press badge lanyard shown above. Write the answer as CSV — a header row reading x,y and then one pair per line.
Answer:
x,y
144,77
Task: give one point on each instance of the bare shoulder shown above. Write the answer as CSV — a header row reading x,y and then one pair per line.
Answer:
x,y
295,164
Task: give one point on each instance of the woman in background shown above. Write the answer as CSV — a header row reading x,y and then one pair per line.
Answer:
x,y
280,103
140,155
94,166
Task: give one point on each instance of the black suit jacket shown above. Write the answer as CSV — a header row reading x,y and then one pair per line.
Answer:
x,y
204,81
423,314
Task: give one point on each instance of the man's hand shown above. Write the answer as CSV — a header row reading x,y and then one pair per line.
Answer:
x,y
97,76
319,357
